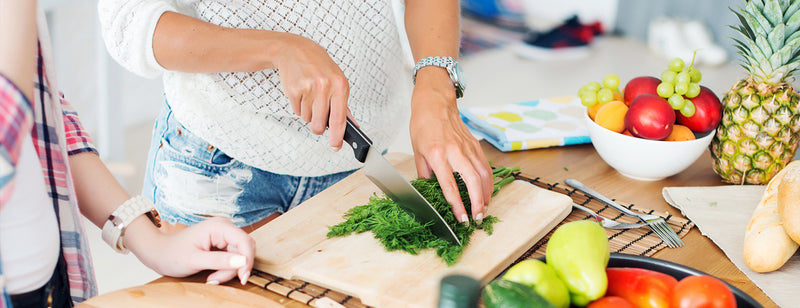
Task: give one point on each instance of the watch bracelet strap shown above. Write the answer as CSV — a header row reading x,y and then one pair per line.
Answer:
x,y
118,221
435,61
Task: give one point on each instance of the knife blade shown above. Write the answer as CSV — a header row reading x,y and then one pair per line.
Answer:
x,y
394,185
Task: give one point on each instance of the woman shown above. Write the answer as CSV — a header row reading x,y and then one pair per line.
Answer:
x,y
252,85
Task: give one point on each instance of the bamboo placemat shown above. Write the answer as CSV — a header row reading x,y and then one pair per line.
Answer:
x,y
641,241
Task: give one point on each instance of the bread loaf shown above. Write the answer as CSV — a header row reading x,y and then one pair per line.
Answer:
x,y
766,245
789,201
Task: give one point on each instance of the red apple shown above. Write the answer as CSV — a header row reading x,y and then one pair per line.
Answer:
x,y
638,86
650,117
707,112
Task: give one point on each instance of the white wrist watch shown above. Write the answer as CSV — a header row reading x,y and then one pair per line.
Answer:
x,y
449,64
118,221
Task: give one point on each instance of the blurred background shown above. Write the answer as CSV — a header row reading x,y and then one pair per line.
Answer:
x,y
629,38
112,101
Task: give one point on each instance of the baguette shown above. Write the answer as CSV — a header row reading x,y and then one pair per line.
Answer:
x,y
789,201
766,245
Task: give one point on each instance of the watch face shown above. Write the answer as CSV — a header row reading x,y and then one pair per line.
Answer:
x,y
460,76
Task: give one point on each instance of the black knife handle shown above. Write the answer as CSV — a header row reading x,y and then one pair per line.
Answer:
x,y
357,140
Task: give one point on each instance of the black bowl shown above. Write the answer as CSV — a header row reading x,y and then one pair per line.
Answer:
x,y
675,270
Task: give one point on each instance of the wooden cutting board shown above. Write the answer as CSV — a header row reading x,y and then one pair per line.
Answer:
x,y
179,294
295,245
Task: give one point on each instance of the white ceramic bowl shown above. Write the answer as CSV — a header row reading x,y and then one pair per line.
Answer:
x,y
644,159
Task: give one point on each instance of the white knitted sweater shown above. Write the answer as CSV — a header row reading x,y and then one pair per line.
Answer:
x,y
246,115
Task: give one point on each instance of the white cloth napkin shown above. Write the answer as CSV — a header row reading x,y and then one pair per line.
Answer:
x,y
722,213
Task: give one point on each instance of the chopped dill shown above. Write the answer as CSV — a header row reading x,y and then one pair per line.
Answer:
x,y
397,230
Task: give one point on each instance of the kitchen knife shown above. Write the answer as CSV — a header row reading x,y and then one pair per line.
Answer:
x,y
394,185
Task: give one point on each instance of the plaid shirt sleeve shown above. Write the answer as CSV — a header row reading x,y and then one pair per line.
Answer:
x,y
16,120
78,140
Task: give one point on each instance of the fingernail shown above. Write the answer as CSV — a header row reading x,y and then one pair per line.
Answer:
x,y
212,282
479,219
245,278
237,261
465,219
336,149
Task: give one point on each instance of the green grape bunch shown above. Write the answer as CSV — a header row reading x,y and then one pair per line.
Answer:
x,y
594,92
679,84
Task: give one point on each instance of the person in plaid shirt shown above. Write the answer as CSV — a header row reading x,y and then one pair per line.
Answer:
x,y
50,174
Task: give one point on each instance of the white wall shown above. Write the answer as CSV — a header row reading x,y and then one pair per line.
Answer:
x,y
90,79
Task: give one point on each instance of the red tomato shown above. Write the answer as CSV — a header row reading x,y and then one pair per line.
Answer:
x,y
611,302
643,287
702,292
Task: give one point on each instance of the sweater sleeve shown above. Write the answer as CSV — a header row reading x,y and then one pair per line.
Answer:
x,y
127,27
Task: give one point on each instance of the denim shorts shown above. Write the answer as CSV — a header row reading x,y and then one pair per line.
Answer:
x,y
190,180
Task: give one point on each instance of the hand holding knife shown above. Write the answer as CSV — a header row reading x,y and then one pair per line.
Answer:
x,y
392,183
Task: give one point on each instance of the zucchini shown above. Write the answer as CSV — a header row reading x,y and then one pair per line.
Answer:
x,y
502,293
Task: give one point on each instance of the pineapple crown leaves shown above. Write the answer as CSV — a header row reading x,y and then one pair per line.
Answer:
x,y
771,40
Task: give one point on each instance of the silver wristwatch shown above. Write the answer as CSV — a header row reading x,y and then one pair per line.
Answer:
x,y
452,67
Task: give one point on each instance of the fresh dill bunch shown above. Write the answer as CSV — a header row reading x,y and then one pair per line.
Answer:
x,y
397,230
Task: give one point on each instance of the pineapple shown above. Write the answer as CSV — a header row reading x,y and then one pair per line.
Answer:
x,y
758,134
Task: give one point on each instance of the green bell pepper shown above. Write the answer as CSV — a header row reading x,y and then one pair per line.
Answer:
x,y
578,251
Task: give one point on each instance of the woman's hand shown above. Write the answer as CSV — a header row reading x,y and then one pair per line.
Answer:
x,y
316,87
214,244
443,144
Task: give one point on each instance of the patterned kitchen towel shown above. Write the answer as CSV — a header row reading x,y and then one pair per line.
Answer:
x,y
529,125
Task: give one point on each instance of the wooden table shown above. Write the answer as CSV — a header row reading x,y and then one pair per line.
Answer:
x,y
582,162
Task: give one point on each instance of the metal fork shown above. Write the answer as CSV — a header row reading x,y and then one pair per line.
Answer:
x,y
608,223
655,222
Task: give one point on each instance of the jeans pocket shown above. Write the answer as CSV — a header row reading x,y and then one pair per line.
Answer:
x,y
220,158
181,145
